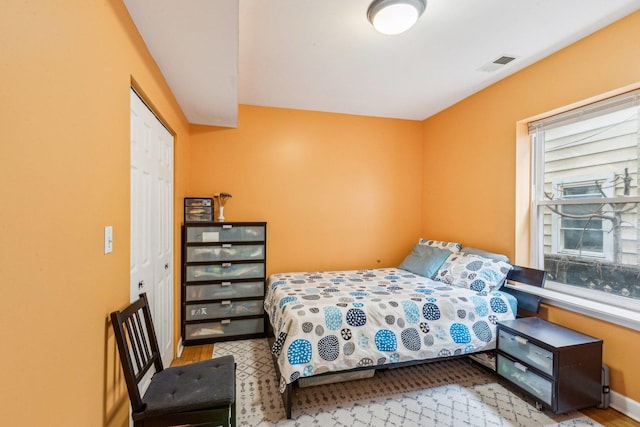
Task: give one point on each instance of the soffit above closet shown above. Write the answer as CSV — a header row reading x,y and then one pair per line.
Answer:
x,y
324,55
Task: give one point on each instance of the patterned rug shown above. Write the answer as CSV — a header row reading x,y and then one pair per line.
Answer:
x,y
450,393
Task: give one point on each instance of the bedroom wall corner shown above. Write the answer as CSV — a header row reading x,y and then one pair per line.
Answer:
x,y
465,170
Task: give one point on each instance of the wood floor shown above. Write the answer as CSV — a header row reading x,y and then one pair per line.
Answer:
x,y
609,417
606,417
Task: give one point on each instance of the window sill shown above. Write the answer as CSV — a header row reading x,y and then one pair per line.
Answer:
x,y
616,315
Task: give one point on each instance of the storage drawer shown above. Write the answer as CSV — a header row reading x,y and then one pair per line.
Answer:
x,y
197,217
526,379
198,210
227,308
225,271
224,290
226,233
224,328
521,349
225,252
198,213
198,201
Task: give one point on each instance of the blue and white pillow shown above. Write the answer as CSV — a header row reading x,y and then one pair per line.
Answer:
x,y
450,246
473,272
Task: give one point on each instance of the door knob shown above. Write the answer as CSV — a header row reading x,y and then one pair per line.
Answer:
x,y
166,266
141,284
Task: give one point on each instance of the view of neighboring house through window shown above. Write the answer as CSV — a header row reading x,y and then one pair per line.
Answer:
x,y
578,229
585,224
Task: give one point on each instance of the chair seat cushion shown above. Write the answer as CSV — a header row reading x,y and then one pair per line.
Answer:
x,y
203,385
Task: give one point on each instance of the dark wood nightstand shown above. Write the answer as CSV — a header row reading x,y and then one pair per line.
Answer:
x,y
559,368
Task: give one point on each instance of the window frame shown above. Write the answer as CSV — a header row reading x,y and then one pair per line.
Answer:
x,y
615,308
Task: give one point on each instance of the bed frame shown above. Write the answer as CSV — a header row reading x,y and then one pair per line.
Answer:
x,y
527,304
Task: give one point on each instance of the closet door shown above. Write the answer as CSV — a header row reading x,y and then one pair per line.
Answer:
x,y
151,269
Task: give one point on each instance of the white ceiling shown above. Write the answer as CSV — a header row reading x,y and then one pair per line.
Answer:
x,y
323,55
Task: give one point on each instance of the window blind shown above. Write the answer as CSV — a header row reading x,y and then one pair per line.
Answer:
x,y
609,105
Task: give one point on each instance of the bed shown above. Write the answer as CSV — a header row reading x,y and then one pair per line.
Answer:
x,y
439,303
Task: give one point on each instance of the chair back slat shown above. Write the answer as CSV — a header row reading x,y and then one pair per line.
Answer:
x,y
144,345
133,341
137,346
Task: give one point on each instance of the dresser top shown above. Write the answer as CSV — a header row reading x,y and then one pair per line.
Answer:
x,y
547,332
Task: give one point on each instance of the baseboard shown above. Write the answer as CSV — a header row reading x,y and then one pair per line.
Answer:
x,y
627,406
180,348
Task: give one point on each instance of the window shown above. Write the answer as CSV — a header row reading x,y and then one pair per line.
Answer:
x,y
577,229
585,224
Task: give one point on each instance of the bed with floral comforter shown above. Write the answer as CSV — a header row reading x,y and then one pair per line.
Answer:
x,y
341,320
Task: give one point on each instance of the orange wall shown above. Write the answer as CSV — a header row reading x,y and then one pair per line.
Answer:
x,y
337,191
477,137
66,68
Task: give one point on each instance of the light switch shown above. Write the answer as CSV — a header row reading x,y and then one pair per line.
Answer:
x,y
108,239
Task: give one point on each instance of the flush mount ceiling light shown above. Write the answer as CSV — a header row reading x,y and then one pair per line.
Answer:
x,y
395,16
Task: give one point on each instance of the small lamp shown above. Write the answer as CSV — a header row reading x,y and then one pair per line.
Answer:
x,y
395,16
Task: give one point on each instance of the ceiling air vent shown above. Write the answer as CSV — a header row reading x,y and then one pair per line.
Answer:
x,y
497,63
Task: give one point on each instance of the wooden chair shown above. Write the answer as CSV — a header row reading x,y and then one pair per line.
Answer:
x,y
201,393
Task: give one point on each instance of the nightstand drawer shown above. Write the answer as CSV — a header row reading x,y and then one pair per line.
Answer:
x,y
224,271
526,379
224,309
226,233
224,328
225,252
224,290
521,349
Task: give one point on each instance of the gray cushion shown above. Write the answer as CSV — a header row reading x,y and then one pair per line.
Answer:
x,y
491,255
202,385
425,260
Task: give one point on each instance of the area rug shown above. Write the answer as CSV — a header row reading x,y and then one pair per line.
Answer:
x,y
449,393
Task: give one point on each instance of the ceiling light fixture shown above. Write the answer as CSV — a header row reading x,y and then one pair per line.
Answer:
x,y
395,16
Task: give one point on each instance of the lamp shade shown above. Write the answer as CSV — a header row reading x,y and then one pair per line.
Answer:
x,y
395,16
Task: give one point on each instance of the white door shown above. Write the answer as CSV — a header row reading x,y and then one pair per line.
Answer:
x,y
152,219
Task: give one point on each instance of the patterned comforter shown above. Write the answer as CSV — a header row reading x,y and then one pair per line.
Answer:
x,y
339,320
